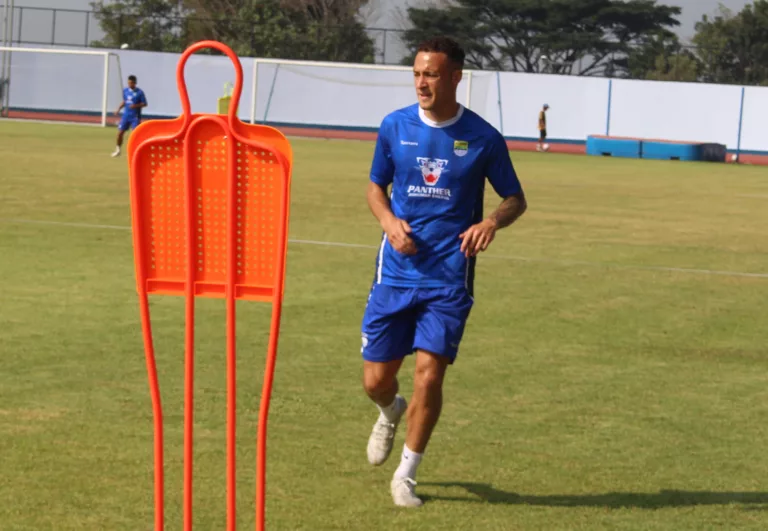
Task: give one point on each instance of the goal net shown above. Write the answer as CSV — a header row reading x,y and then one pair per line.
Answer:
x,y
318,96
61,85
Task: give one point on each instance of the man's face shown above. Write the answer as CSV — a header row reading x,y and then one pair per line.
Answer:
x,y
435,79
131,84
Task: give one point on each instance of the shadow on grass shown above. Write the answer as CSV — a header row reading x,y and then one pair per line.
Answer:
x,y
485,493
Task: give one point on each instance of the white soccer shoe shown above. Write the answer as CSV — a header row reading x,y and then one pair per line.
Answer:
x,y
383,435
403,494
116,153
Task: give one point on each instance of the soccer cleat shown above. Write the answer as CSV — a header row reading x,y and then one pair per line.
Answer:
x,y
116,152
403,494
383,435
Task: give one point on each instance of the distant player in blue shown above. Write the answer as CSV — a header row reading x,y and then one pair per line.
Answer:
x,y
133,101
435,156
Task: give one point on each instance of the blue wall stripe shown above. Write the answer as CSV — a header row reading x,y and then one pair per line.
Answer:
x,y
608,113
741,118
501,114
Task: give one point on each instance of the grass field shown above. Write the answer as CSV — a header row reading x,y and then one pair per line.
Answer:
x,y
614,374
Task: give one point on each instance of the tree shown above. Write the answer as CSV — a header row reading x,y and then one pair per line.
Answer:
x,y
144,24
587,37
734,48
296,29
662,57
288,29
681,66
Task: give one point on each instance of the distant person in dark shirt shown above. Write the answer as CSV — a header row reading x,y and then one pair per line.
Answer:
x,y
542,145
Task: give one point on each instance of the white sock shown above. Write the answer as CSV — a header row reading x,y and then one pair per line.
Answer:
x,y
392,411
409,462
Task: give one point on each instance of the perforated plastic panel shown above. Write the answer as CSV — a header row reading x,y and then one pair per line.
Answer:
x,y
165,217
258,194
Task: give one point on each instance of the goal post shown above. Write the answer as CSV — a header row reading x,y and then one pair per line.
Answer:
x,y
61,84
346,95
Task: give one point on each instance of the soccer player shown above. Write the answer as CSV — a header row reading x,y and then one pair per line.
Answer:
x,y
133,101
435,155
541,146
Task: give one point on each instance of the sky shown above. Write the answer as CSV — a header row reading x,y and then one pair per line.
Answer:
x,y
386,14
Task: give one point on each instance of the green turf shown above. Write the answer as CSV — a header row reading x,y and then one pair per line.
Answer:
x,y
592,391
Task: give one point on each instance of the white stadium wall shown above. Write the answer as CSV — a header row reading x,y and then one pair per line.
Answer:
x,y
54,80
676,111
346,97
754,128
578,105
317,96
205,76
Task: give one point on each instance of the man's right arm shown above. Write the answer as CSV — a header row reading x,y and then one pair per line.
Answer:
x,y
382,175
397,230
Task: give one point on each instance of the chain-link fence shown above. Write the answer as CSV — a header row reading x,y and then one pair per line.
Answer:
x,y
33,26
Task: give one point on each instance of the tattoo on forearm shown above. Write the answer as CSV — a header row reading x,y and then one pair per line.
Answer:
x,y
509,210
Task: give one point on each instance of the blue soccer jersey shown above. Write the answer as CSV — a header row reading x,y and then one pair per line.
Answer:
x,y
131,97
437,172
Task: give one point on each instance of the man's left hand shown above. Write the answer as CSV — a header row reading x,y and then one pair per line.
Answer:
x,y
478,237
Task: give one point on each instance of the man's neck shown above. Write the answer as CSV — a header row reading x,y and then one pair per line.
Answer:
x,y
443,114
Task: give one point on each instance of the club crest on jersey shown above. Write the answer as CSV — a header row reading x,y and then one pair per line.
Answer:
x,y
431,169
460,148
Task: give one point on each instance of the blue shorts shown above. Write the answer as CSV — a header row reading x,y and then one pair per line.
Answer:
x,y
398,321
127,121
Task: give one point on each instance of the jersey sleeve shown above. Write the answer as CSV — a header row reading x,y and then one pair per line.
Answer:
x,y
142,98
383,166
499,169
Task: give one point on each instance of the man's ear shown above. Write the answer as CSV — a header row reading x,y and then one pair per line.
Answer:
x,y
457,76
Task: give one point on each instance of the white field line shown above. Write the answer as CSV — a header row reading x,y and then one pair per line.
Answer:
x,y
740,274
49,122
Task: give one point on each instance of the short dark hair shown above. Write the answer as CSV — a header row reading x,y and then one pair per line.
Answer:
x,y
445,45
132,78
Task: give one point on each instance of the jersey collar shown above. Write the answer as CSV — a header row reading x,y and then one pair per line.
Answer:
x,y
446,123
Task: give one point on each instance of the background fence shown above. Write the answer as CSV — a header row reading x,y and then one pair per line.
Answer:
x,y
344,96
34,26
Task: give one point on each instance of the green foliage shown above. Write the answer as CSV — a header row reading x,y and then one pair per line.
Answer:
x,y
642,59
144,24
681,66
661,57
308,29
585,37
734,48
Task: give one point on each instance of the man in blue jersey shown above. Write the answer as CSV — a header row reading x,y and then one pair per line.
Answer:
x,y
133,101
435,155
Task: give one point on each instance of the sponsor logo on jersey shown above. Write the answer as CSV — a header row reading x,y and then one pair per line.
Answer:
x,y
431,171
